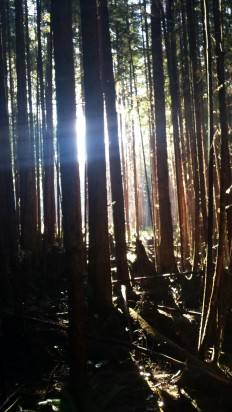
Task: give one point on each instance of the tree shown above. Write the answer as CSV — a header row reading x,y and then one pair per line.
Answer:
x,y
8,221
98,254
197,143
45,97
113,135
26,161
61,19
166,249
216,295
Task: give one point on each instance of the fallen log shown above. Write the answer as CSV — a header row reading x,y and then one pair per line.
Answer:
x,y
198,375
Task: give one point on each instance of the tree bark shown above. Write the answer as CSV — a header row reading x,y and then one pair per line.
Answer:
x,y
61,18
113,134
99,257
166,249
26,161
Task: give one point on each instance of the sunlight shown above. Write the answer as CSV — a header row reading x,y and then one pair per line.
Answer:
x,y
80,127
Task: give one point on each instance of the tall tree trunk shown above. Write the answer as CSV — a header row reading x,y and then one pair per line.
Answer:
x,y
220,60
113,135
198,150
208,284
175,108
49,161
25,149
47,134
99,257
215,311
166,250
36,227
8,221
189,159
61,17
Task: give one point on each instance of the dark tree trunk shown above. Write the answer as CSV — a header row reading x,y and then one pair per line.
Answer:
x,y
45,94
8,221
61,14
176,108
26,161
99,257
114,153
166,250
226,173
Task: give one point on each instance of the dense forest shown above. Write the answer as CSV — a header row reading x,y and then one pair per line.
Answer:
x,y
115,205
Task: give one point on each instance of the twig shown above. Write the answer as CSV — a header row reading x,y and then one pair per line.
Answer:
x,y
9,399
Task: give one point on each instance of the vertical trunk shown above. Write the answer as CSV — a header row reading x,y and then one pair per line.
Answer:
x,y
25,152
135,175
175,108
47,133
209,262
114,153
152,145
190,170
198,155
125,184
99,257
226,173
8,226
216,310
49,188
166,252
34,215
61,17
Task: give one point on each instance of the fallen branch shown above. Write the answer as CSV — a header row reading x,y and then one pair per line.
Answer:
x,y
197,374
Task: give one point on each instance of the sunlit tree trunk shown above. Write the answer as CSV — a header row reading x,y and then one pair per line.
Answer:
x,y
36,218
200,185
208,284
99,257
45,94
125,183
61,15
113,135
166,250
49,162
217,292
152,140
223,116
190,173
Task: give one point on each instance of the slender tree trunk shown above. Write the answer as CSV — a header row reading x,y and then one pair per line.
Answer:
x,y
208,284
36,228
198,155
47,134
114,153
61,17
49,161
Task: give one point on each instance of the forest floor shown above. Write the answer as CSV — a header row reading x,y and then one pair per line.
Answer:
x,y
141,357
